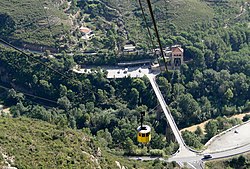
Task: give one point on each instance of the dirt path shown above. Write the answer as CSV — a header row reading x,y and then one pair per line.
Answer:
x,y
242,10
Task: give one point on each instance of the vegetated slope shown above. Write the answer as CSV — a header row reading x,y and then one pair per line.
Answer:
x,y
185,14
45,22
173,16
242,161
33,21
36,144
170,16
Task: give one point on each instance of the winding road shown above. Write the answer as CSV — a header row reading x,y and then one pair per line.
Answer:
x,y
185,156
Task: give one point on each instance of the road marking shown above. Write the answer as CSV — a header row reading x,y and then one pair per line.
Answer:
x,y
191,165
180,164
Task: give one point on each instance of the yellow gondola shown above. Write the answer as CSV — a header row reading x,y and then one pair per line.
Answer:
x,y
143,132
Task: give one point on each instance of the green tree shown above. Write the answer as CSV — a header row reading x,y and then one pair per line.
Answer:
x,y
229,94
64,103
197,56
187,104
199,131
129,146
211,129
72,122
246,118
7,25
191,139
134,98
39,112
101,96
105,137
63,90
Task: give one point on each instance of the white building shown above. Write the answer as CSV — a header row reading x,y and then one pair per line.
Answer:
x,y
87,33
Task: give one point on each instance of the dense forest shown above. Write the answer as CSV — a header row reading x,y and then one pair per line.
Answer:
x,y
214,82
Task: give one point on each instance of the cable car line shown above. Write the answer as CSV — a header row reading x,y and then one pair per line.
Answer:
x,y
31,95
145,20
12,46
157,34
143,131
149,33
37,60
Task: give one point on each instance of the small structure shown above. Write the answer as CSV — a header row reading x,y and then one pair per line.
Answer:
x,y
86,33
129,48
176,57
135,63
155,67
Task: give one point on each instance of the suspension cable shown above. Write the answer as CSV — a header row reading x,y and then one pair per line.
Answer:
x,y
30,56
31,95
145,20
149,33
157,33
37,60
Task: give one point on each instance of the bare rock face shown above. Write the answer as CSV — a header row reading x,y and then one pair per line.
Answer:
x,y
93,159
119,165
99,152
8,160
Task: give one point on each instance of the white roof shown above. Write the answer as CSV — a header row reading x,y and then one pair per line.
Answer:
x,y
146,130
129,46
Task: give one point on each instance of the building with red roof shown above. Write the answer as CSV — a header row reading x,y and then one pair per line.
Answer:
x,y
87,33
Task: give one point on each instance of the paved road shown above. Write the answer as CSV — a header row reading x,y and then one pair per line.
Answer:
x,y
197,161
233,138
183,149
236,143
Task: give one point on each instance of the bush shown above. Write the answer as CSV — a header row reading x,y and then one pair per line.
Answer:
x,y
156,152
246,118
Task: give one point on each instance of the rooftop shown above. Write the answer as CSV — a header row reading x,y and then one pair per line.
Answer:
x,y
129,47
85,30
177,49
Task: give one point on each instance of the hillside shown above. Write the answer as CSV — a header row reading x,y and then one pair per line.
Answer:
x,y
54,22
175,16
27,143
242,161
33,21
36,144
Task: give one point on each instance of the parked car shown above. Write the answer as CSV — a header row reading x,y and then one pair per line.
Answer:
x,y
139,159
207,156
125,71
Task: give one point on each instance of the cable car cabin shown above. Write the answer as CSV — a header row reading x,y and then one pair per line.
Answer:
x,y
143,134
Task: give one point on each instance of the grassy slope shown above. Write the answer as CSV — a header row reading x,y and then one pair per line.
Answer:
x,y
187,15
32,24
37,144
224,164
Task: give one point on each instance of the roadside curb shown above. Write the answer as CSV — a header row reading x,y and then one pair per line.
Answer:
x,y
222,133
